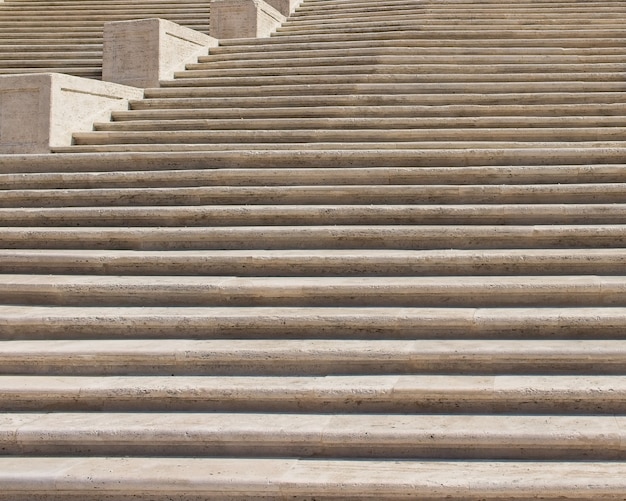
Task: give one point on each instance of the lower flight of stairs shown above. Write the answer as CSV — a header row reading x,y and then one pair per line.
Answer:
x,y
183,329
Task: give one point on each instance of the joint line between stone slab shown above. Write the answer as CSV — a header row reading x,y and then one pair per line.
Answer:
x,y
184,39
91,93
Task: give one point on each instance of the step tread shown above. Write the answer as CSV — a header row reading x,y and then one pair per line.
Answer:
x,y
306,357
91,478
303,435
90,290
382,393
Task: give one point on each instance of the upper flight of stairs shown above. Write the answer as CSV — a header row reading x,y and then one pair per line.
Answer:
x,y
379,255
65,36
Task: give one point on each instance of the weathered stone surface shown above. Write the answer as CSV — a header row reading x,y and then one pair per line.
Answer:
x,y
243,19
41,111
144,52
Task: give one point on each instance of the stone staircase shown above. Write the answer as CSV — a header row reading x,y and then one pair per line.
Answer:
x,y
65,36
379,255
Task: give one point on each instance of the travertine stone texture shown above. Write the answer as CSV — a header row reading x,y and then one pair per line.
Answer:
x,y
243,19
377,255
41,111
143,52
285,7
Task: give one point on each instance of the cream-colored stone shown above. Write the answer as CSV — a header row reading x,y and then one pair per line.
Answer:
x,y
41,111
141,53
243,19
285,7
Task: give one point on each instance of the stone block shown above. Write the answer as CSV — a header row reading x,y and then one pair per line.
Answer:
x,y
285,7
243,19
40,111
143,52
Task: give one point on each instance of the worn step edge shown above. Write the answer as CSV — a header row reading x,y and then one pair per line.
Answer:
x,y
77,176
320,436
324,263
588,123
396,237
71,162
399,197
280,357
561,152
492,291
236,478
499,113
41,322
300,215
350,394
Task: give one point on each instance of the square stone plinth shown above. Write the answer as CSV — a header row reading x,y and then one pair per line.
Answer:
x,y
40,111
143,52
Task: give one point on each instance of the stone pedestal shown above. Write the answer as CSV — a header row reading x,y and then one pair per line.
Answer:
x,y
244,19
40,111
143,52
285,7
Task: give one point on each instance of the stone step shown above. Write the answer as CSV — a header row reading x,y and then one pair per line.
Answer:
x,y
222,54
177,478
411,31
430,138
599,193
503,38
559,152
438,114
369,75
92,22
44,55
410,23
396,62
474,291
310,357
39,64
303,16
600,395
360,75
547,125
50,48
273,215
252,45
202,98
562,165
91,14
86,72
327,154
315,435
426,91
517,323
327,262
76,176
397,237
